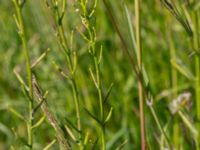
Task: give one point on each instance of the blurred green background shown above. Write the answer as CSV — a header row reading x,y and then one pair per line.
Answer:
x,y
157,24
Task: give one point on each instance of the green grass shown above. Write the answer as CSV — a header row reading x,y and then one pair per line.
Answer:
x,y
99,74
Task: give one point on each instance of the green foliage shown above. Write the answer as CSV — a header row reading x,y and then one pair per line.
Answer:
x,y
69,74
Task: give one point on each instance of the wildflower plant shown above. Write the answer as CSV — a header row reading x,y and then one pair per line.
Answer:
x,y
87,15
99,74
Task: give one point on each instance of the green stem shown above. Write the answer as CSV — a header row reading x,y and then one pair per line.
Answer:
x,y
103,138
99,87
159,126
140,86
197,71
22,33
93,52
197,90
98,80
76,101
197,66
174,81
63,42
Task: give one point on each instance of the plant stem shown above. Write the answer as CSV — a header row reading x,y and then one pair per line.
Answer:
x,y
97,69
99,86
96,60
175,87
159,126
22,33
174,83
140,86
98,83
197,89
51,118
76,100
71,66
197,72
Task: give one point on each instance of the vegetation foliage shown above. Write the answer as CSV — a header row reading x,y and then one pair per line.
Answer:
x,y
100,74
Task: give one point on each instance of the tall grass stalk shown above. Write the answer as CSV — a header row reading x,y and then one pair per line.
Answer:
x,y
125,48
22,33
174,83
137,66
145,93
194,36
196,47
71,58
139,60
175,87
41,99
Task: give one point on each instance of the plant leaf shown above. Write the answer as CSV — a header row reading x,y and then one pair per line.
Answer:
x,y
109,115
50,145
91,115
182,69
188,123
16,113
39,59
108,93
94,147
40,121
121,145
71,134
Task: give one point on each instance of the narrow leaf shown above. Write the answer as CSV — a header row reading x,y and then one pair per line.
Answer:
x,y
110,144
182,69
100,54
58,68
49,145
91,115
40,103
93,78
108,93
130,27
122,145
71,134
37,61
20,78
86,138
17,114
188,123
94,147
71,125
108,116
40,121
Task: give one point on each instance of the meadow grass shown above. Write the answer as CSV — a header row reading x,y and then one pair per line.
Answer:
x,y
99,74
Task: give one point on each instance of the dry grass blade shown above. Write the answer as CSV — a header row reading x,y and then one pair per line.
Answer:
x,y
51,118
